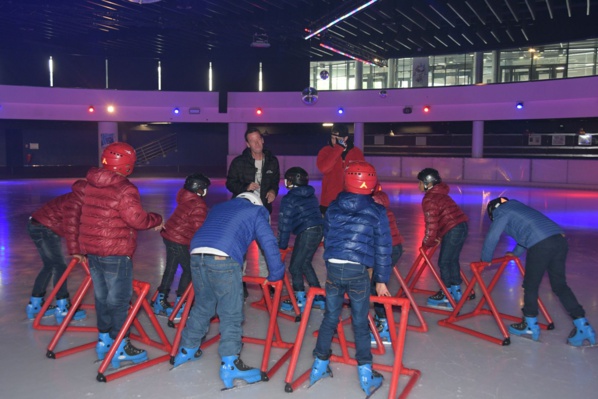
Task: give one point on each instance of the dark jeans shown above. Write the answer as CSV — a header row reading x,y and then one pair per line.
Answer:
x,y
397,252
176,254
306,245
49,247
112,278
354,280
450,249
548,255
218,290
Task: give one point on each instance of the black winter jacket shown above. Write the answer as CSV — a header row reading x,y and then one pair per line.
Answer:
x,y
242,170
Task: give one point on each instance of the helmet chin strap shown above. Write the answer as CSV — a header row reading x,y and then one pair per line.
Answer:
x,y
205,192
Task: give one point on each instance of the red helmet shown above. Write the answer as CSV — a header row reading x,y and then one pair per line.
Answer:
x,y
119,157
360,178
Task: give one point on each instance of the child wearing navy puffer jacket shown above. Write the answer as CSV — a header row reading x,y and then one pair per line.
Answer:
x,y
300,215
356,239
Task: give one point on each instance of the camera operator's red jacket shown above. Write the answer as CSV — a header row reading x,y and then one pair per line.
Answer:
x,y
332,165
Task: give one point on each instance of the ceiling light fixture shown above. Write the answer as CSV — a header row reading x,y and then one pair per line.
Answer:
x,y
337,20
260,40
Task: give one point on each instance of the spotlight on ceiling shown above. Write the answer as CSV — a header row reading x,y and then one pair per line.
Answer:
x,y
260,40
340,111
427,109
519,105
91,109
258,111
176,111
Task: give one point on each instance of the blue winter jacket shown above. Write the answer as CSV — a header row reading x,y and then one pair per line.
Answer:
x,y
299,210
526,225
232,225
357,229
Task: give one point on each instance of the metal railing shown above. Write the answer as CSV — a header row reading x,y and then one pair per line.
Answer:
x,y
156,148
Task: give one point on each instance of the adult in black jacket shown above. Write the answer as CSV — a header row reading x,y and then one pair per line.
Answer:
x,y
256,169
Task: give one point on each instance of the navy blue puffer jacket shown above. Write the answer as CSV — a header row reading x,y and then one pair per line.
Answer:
x,y
299,210
357,229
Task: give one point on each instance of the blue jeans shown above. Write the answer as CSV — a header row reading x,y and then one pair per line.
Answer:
x,y
549,255
112,278
176,254
49,247
450,249
397,252
354,280
306,245
218,290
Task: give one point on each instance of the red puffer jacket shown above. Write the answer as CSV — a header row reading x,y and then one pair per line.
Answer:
x,y
188,216
52,212
382,198
441,213
110,215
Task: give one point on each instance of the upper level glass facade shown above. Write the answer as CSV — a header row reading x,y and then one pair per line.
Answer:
x,y
556,61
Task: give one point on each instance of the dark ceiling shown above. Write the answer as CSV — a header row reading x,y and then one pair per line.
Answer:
x,y
389,28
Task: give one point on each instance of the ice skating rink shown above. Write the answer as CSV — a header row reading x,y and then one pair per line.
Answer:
x,y
452,364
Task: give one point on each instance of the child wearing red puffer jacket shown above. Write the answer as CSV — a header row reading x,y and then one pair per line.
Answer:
x,y
186,219
380,197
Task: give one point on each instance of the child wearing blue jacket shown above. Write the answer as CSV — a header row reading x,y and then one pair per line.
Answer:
x,y
356,238
217,250
300,215
547,248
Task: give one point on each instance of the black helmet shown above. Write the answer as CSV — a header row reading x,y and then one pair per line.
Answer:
x,y
196,182
339,129
495,203
297,176
429,176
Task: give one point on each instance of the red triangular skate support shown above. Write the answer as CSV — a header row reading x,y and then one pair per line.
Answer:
x,y
76,303
397,331
139,288
405,291
273,337
486,299
187,295
423,261
261,303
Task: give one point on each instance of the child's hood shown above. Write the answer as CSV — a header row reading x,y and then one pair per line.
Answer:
x,y
303,191
353,203
98,177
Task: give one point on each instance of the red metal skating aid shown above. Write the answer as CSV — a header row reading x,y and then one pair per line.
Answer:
x,y
397,331
486,299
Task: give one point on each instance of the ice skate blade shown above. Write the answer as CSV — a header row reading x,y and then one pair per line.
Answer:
x,y
384,342
583,346
374,391
441,307
328,375
526,336
264,377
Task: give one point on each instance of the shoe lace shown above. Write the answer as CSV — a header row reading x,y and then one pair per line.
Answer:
x,y
241,366
438,296
131,350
